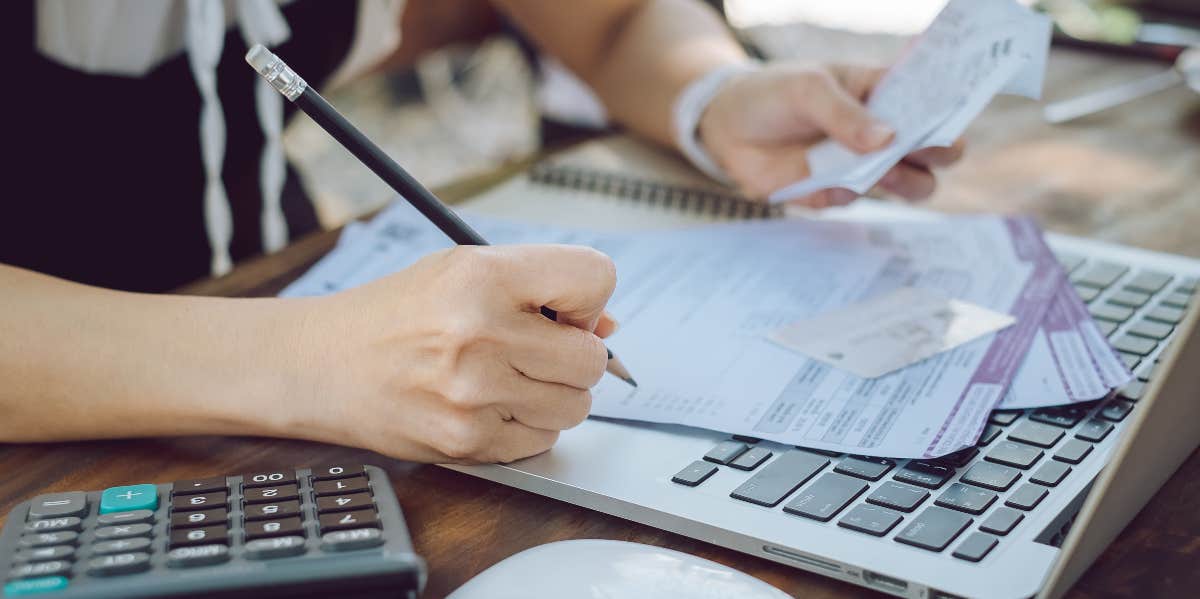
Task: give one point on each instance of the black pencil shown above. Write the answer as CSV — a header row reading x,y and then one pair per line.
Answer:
x,y
293,87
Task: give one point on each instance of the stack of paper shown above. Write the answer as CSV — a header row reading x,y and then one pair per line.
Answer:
x,y
697,308
974,50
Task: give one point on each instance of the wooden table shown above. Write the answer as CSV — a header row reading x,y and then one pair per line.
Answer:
x,y
1132,175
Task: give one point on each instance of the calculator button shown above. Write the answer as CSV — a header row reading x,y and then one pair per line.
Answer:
x,y
54,524
267,479
36,586
130,517
273,548
41,554
333,471
340,487
286,527
266,511
348,520
268,494
342,503
118,564
199,485
199,536
58,504
62,537
200,518
121,546
132,497
54,568
123,531
200,555
349,540
206,501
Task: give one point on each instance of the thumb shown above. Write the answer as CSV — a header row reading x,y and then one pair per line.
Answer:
x,y
840,115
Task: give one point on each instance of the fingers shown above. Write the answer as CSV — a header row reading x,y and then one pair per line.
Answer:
x,y
838,113
482,436
516,440
938,157
607,325
575,281
553,352
547,406
909,181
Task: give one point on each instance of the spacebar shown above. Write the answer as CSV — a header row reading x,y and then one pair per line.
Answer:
x,y
775,482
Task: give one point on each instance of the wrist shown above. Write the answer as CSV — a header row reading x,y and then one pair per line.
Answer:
x,y
689,108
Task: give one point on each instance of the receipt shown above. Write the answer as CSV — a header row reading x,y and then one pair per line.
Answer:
x,y
973,50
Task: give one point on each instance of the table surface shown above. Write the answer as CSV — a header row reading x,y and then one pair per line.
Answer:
x,y
1131,175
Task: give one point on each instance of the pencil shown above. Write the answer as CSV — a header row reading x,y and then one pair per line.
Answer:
x,y
295,89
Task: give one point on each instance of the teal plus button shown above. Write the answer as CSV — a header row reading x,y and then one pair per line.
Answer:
x,y
133,497
33,586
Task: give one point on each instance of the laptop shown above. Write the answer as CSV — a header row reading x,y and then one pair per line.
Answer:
x,y
1023,514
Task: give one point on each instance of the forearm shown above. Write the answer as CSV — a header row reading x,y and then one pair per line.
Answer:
x,y
80,362
636,55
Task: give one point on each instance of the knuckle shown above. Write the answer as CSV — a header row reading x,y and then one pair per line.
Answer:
x,y
463,439
464,392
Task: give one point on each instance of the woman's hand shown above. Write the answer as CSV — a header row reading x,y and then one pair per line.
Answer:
x,y
761,125
451,360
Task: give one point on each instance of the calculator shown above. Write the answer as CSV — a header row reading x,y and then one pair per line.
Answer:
x,y
336,530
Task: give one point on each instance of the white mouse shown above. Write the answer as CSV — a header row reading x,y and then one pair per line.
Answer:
x,y
602,569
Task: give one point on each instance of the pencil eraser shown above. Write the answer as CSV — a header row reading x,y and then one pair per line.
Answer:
x,y
259,57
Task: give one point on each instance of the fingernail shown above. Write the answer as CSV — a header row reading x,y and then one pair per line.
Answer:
x,y
876,135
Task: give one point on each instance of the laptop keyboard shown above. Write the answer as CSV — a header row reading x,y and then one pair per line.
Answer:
x,y
979,494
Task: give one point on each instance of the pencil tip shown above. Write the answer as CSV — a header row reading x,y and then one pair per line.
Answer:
x,y
618,369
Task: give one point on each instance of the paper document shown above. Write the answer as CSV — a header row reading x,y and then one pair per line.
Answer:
x,y
973,50
887,332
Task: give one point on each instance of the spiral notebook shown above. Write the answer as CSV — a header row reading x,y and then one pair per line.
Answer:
x,y
616,183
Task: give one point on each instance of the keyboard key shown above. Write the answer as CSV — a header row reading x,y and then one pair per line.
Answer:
x,y
976,547
1147,371
1004,418
934,529
1073,451
1050,474
1177,300
118,564
333,471
199,536
1165,314
206,501
36,586
745,439
199,485
59,504
284,527
990,432
1148,281
778,479
1129,299
271,494
274,547
349,540
872,520
1086,293
267,479
1151,330
341,486
42,539
751,459
1106,328
54,524
347,520
1188,285
1133,391
121,546
132,497
991,476
1064,416
1131,361
200,555
1014,454
1116,410
966,499
925,474
1036,433
130,517
1094,430
1099,274
41,554
267,511
725,452
1069,261
898,496
694,474
959,458
344,503
54,568
1026,497
1109,312
1132,344
1002,521
123,531
215,517
823,499
865,467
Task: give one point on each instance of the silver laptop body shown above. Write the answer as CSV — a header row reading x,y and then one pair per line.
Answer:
x,y
627,469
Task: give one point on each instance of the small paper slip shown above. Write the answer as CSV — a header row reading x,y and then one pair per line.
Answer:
x,y
890,331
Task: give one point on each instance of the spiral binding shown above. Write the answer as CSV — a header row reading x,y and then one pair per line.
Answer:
x,y
653,193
